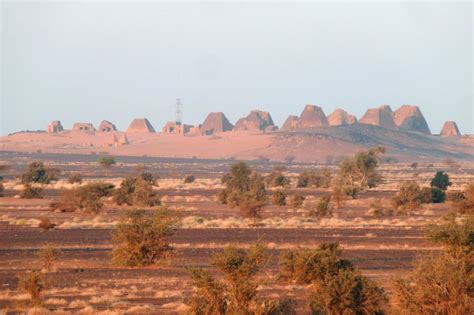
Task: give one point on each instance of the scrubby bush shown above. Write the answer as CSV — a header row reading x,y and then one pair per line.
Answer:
x,y
277,178
107,162
137,191
322,208
297,200
251,207
437,195
189,179
441,180
409,197
1,189
31,192
237,294
49,255
85,198
458,239
314,178
46,224
141,238
38,173
464,200
75,177
33,284
279,198
241,182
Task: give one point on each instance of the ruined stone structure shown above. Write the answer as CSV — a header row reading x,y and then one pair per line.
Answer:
x,y
450,128
174,127
291,123
312,116
140,125
55,126
256,120
380,116
83,127
107,126
214,123
123,139
341,118
410,118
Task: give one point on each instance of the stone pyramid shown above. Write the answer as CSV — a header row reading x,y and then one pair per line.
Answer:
x,y
140,125
380,116
450,128
410,118
214,123
312,116
107,126
341,118
291,123
255,120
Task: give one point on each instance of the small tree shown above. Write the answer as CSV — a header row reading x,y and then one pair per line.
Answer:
x,y
142,239
409,197
189,179
107,162
38,173
279,198
30,192
137,191
75,177
33,284
49,255
441,180
323,208
251,207
297,200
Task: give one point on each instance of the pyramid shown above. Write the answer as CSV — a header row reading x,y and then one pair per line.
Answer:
x,y
312,116
450,128
123,139
83,127
255,120
341,118
291,123
381,116
140,125
214,123
107,126
410,118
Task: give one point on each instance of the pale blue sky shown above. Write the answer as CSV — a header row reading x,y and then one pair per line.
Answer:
x,y
88,61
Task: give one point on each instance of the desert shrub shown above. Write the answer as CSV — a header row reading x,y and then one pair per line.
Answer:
x,y
279,198
31,192
46,224
240,182
414,165
342,189
85,198
277,179
441,180
49,255
464,200
1,189
38,173
237,294
346,292
437,195
189,179
251,207
409,197
106,162
33,284
322,208
75,177
314,178
297,200
304,265
137,191
141,238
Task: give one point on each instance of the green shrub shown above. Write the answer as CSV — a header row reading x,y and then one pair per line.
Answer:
x,y
323,208
107,162
458,239
141,238
441,180
297,200
30,192
189,179
85,198
137,191
33,284
75,178
38,173
279,198
437,195
237,294
409,198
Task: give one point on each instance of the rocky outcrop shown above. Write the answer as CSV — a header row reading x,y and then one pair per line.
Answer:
x,y
140,125
380,116
256,120
55,126
312,116
410,118
107,126
450,128
291,123
341,118
214,123
83,127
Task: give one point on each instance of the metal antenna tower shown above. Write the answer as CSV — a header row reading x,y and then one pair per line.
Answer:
x,y
177,111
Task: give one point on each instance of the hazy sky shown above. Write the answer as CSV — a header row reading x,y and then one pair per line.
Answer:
x,y
88,61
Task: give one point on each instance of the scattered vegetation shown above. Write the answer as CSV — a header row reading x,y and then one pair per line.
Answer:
x,y
251,207
279,198
464,200
1,189
107,162
322,208
315,178
33,284
31,192
85,198
49,255
237,294
189,179
75,177
137,191
277,178
297,200
141,238
38,173
409,198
